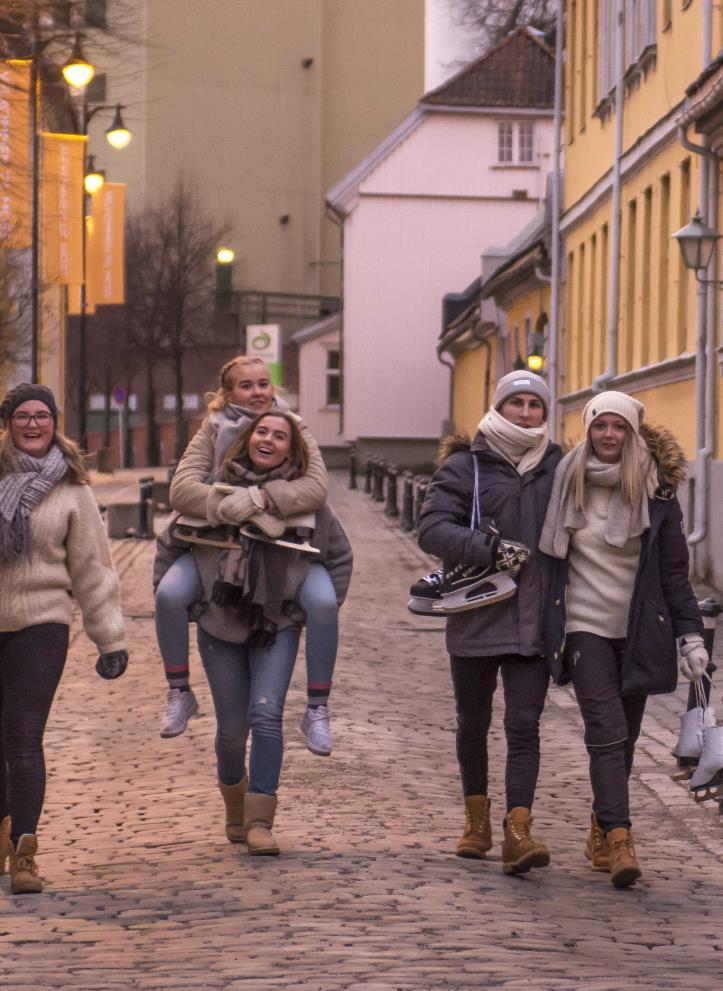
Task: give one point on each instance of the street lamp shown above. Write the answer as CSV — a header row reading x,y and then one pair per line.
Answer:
x,y
697,242
94,179
117,135
535,361
77,71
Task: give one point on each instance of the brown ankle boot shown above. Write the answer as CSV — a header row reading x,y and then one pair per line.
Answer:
x,y
4,842
624,868
24,878
259,812
520,851
233,797
476,839
597,850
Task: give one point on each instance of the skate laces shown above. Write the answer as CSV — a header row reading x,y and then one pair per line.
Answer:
x,y
434,579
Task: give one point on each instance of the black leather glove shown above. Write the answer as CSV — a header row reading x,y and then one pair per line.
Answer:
x,y
510,555
110,666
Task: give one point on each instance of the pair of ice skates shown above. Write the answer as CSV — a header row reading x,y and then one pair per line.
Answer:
x,y
296,535
700,750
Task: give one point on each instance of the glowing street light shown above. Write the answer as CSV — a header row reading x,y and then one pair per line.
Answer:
x,y
94,178
118,135
78,71
225,256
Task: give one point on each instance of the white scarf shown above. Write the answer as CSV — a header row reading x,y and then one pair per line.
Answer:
x,y
524,447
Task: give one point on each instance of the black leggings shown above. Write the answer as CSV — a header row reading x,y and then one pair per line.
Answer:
x,y
31,664
525,681
612,722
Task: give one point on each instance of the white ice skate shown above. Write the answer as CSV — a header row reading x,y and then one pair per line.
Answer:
x,y
707,780
294,537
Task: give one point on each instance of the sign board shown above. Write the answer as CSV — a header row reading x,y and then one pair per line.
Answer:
x,y
263,340
118,394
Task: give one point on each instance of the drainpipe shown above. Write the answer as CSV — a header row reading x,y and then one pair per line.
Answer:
x,y
337,217
555,220
448,427
601,382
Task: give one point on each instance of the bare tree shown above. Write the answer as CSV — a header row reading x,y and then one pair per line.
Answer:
x,y
491,20
14,305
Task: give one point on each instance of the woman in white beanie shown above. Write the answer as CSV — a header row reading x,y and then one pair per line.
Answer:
x,y
507,470
621,597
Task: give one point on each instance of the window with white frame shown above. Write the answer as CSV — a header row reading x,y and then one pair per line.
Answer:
x,y
639,36
515,142
333,378
191,401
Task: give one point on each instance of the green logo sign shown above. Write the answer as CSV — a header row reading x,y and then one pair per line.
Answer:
x,y
261,341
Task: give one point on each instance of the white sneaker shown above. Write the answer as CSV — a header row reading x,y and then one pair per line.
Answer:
x,y
315,727
181,706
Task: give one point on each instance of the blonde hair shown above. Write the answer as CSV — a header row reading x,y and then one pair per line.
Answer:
x,y
77,468
219,399
632,483
298,455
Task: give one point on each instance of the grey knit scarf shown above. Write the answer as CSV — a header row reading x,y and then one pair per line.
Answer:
x,y
229,423
20,492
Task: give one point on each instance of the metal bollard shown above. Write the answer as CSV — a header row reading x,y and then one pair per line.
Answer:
x,y
407,521
378,481
391,508
710,610
352,468
368,470
145,499
420,494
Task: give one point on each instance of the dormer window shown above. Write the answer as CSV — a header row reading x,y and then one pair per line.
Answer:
x,y
515,142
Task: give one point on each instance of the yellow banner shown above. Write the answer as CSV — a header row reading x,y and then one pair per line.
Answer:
x,y
62,207
106,246
15,141
91,269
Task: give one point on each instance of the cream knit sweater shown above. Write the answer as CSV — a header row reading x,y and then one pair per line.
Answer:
x,y
601,576
69,552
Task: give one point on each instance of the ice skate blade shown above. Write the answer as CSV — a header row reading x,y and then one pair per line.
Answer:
x,y
487,592
304,547
422,607
198,531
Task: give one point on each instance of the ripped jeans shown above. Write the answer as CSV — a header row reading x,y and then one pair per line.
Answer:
x,y
249,686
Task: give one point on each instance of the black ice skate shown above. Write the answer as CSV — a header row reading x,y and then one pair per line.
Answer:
x,y
471,587
426,593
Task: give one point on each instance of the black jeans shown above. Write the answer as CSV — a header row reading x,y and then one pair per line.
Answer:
x,y
31,664
525,681
612,722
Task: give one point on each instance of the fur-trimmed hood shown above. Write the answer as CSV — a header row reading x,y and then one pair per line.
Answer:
x,y
459,441
668,454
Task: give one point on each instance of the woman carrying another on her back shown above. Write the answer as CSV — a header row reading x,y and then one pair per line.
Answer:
x,y
248,634
507,470
621,598
52,543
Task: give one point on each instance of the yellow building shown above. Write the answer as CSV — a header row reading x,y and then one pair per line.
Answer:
x,y
633,317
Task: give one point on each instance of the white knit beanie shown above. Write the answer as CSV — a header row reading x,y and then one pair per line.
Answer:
x,y
621,403
517,382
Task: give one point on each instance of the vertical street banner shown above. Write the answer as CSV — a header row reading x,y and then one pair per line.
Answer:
x,y
106,246
263,340
62,207
15,142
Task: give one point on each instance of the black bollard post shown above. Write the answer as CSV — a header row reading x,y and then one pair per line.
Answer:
x,y
378,490
419,497
145,499
352,468
407,521
369,469
391,508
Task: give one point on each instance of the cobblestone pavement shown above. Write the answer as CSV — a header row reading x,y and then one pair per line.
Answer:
x,y
143,891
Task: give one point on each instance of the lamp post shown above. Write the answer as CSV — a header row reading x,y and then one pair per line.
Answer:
x,y
697,242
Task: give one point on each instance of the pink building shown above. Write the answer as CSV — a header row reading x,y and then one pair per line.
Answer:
x,y
463,172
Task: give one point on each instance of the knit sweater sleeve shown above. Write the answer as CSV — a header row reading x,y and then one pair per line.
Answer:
x,y
189,488
305,494
93,578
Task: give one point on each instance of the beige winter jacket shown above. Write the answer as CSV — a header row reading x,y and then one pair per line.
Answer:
x,y
189,488
69,553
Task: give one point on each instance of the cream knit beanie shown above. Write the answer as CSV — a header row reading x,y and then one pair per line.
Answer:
x,y
626,406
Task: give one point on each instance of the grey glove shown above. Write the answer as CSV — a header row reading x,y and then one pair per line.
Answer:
x,y
693,659
235,507
509,555
110,666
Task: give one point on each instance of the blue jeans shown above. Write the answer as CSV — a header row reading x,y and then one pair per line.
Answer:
x,y
180,588
249,686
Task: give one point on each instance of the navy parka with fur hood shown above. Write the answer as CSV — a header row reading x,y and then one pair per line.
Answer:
x,y
517,504
662,605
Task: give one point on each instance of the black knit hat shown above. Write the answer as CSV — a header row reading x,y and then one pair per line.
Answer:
x,y
21,394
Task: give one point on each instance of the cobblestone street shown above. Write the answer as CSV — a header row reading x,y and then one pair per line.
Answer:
x,y
144,892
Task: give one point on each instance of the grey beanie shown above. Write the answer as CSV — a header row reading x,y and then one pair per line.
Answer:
x,y
21,394
522,381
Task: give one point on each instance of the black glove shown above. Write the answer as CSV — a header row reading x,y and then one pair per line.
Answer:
x,y
110,666
509,555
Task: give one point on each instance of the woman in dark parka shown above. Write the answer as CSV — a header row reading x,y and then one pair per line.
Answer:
x,y
511,461
620,598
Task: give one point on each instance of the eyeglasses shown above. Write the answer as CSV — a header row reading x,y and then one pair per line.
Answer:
x,y
23,419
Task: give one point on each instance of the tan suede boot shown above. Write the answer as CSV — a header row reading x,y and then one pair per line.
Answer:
x,y
520,851
624,868
24,878
233,797
259,812
4,842
476,839
597,850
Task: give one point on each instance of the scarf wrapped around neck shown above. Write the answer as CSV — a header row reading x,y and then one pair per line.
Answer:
x,y
260,581
524,447
623,522
20,492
